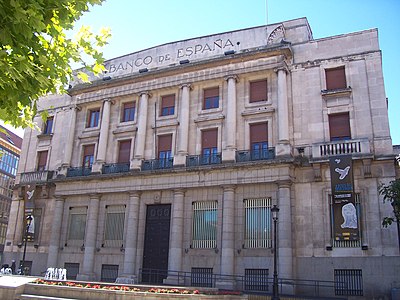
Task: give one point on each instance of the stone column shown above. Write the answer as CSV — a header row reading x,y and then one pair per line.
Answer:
x,y
176,239
228,238
140,140
285,251
90,239
228,154
283,147
54,245
129,268
70,127
183,129
16,221
103,139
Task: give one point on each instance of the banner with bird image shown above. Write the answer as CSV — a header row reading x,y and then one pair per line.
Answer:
x,y
345,221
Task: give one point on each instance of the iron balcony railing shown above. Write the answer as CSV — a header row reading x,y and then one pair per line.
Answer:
x,y
79,171
359,146
157,164
247,155
36,177
202,160
115,168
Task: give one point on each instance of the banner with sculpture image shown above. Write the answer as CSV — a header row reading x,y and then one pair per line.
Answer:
x,y
29,197
345,219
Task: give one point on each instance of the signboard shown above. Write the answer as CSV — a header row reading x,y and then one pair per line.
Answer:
x,y
345,220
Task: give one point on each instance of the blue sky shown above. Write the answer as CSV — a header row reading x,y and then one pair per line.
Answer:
x,y
137,25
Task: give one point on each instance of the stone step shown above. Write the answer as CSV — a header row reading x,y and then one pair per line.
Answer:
x,y
38,297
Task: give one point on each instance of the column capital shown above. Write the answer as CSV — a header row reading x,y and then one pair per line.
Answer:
x,y
179,191
141,93
188,85
229,187
75,107
94,196
232,76
134,193
284,183
109,100
282,68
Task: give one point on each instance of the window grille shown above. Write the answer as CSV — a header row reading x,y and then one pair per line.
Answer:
x,y
114,226
202,277
109,273
77,226
204,227
258,223
256,279
72,270
348,282
349,243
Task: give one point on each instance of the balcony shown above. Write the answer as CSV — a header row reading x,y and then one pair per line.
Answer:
x,y
324,150
203,160
247,155
36,177
80,171
157,164
115,168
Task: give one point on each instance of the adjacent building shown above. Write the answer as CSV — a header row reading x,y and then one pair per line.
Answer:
x,y
10,148
167,167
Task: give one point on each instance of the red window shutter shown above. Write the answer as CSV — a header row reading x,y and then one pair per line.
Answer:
x,y
168,101
209,138
42,160
165,142
211,92
258,133
258,91
339,126
88,150
335,78
124,151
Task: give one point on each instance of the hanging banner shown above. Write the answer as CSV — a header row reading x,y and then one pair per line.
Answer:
x,y
345,219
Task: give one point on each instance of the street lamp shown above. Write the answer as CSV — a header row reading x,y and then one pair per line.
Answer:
x,y
275,296
28,223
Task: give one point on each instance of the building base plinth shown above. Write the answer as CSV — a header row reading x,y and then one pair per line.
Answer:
x,y
86,277
225,284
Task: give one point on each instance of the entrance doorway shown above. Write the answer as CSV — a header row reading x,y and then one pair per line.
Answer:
x,y
156,243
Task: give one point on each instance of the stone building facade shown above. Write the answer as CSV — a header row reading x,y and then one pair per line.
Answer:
x,y
167,167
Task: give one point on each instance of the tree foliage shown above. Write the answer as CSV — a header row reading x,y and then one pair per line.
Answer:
x,y
36,54
391,194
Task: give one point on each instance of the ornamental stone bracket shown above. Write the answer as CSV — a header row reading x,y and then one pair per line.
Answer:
x,y
317,172
277,35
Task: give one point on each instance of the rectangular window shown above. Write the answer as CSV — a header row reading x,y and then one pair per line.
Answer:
x,y
211,98
258,232
258,91
88,156
128,111
93,118
167,105
72,270
202,277
77,226
114,226
335,78
124,153
42,160
348,282
48,126
204,227
350,243
256,279
209,141
339,126
259,141
164,151
109,273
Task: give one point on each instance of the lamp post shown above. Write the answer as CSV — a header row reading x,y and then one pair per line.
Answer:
x,y
275,296
28,223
